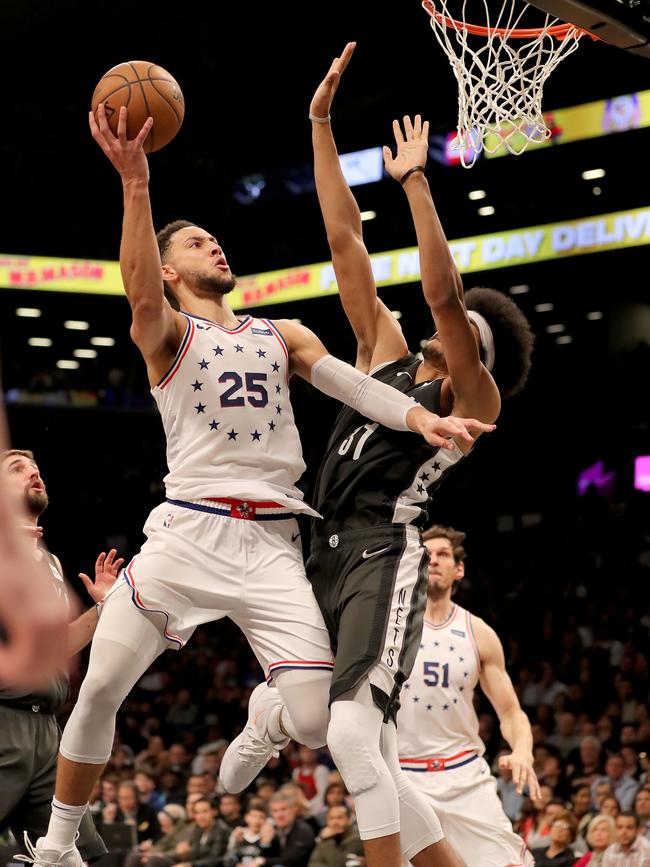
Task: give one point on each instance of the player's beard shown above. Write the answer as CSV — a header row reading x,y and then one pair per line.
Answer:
x,y
211,285
433,355
36,502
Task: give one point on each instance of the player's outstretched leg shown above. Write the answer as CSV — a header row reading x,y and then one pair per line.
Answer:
x,y
124,646
296,709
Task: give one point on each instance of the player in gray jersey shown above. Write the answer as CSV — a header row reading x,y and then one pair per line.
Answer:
x,y
367,565
29,739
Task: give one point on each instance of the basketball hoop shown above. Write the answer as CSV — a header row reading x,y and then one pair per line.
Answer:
x,y
500,81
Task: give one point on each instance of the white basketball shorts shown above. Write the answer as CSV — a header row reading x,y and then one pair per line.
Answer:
x,y
204,561
466,802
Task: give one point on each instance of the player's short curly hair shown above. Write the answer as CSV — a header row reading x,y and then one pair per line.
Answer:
x,y
164,238
455,537
513,337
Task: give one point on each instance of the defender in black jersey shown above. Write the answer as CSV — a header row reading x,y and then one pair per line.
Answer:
x,y
368,565
29,731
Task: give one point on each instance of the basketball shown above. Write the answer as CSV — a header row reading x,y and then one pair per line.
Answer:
x,y
147,90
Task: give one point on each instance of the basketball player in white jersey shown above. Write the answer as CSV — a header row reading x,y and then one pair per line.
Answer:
x,y
367,563
225,541
437,727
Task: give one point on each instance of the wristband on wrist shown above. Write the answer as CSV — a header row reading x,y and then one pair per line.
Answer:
x,y
319,119
410,172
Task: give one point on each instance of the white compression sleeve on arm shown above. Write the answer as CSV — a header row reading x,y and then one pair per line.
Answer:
x,y
368,396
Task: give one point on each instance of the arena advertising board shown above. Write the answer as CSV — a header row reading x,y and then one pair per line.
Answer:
x,y
479,253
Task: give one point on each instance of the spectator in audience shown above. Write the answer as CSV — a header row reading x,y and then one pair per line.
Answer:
x,y
630,849
541,836
624,787
174,826
312,776
642,809
147,790
559,852
230,810
245,843
295,791
183,713
338,839
154,757
565,739
293,840
551,774
610,807
172,788
585,764
600,834
603,790
581,808
131,811
535,810
204,843
336,795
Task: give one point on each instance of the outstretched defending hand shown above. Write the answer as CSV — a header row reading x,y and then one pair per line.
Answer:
x,y
126,155
437,430
412,147
107,569
322,98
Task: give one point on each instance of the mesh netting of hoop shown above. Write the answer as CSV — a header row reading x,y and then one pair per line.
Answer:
x,y
501,68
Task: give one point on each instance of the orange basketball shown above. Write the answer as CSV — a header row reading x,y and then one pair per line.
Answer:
x,y
146,90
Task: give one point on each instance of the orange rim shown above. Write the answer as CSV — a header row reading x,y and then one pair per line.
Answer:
x,y
559,31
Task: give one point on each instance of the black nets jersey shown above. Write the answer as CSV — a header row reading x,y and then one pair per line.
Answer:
x,y
374,475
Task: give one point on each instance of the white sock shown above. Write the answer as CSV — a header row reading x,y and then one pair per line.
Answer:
x,y
63,827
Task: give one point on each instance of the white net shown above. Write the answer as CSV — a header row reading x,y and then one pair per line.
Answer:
x,y
500,76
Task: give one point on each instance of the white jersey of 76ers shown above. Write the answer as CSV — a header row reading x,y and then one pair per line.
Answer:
x,y
227,416
437,716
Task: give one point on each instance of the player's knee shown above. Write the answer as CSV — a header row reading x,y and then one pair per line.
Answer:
x,y
311,725
358,761
98,697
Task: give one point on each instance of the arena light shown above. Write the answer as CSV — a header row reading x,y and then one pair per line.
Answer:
x,y
486,211
565,338
28,312
85,353
555,329
596,191
397,314
544,308
76,325
593,315
368,215
477,195
520,289
642,473
39,341
67,364
102,341
593,174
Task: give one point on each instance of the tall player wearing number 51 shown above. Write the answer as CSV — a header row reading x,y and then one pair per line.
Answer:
x,y
437,727
225,541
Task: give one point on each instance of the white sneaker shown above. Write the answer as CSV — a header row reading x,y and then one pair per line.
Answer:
x,y
252,749
40,857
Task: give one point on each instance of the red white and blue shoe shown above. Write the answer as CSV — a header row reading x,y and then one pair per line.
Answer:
x,y
248,754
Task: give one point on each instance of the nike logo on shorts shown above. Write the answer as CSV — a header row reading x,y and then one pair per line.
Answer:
x,y
404,373
368,553
294,536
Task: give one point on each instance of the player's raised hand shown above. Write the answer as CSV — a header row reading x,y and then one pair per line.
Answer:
x,y
521,766
322,98
412,147
106,571
438,430
126,155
